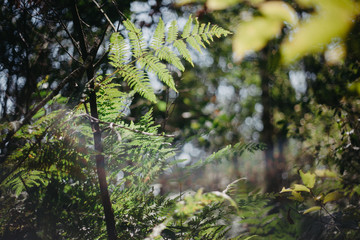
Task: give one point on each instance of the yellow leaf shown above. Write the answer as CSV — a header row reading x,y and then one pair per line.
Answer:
x,y
220,4
308,179
279,10
333,196
319,197
301,188
333,19
312,209
296,196
179,3
286,190
253,35
325,173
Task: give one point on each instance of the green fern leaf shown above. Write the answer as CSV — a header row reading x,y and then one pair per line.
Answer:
x,y
195,30
136,39
159,36
181,47
172,33
138,80
202,28
204,34
118,50
187,28
152,64
166,54
192,41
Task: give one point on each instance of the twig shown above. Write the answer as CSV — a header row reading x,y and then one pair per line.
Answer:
x,y
121,14
106,16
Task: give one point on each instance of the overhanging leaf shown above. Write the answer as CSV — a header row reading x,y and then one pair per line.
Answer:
x,y
254,35
279,10
333,20
220,4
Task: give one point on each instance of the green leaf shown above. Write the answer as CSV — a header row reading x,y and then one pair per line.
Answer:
x,y
308,179
286,190
279,10
254,35
181,47
159,35
312,209
172,33
187,28
161,106
301,188
333,19
333,196
220,4
296,196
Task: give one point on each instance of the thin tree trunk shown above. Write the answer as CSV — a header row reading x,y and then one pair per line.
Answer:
x,y
273,167
89,53
100,164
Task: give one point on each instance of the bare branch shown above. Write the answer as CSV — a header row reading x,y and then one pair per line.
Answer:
x,y
106,16
79,30
70,36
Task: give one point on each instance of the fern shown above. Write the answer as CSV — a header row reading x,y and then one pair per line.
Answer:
x,y
149,58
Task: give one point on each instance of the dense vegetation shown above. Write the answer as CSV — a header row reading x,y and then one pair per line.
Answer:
x,y
118,121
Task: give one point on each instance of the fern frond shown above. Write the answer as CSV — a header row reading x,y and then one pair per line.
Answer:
x,y
137,79
200,33
181,47
112,102
172,33
150,61
194,43
166,54
152,64
159,36
136,39
187,28
118,50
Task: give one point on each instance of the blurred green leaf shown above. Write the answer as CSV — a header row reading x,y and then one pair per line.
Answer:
x,y
301,188
296,196
279,10
308,179
312,209
286,190
220,4
254,35
333,196
332,19
161,106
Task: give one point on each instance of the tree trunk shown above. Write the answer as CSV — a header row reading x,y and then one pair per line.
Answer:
x,y
273,166
89,54
100,166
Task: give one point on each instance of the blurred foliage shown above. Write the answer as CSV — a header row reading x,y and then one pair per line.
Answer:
x,y
327,22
